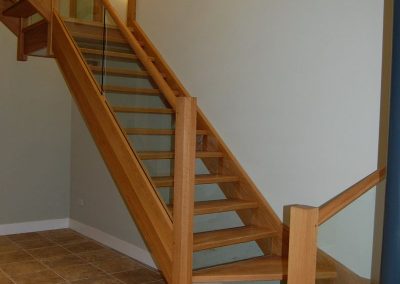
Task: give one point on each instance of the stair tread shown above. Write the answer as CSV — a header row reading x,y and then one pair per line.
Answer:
x,y
256,269
111,54
224,205
225,237
119,72
155,155
165,181
92,24
98,37
21,9
218,206
127,90
147,131
143,110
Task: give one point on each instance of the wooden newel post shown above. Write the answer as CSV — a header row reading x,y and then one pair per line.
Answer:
x,y
184,174
303,245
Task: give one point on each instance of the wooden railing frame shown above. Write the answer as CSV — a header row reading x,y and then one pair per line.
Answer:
x,y
141,54
341,201
183,201
302,219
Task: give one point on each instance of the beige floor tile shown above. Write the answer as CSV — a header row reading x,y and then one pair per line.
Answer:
x,y
64,236
120,264
24,237
98,255
15,256
4,240
78,272
99,280
42,277
83,247
4,279
36,243
63,261
18,268
48,252
138,276
8,247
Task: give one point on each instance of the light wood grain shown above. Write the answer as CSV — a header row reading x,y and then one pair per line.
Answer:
x,y
135,187
183,205
12,24
120,72
73,8
21,55
264,215
21,9
147,131
151,155
98,11
142,55
225,205
336,204
131,91
131,13
165,181
110,54
256,269
125,109
226,237
36,36
303,245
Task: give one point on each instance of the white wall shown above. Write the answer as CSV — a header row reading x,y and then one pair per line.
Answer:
x,y
35,137
293,87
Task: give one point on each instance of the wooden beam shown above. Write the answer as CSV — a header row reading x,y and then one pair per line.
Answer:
x,y
98,11
185,155
303,245
336,204
21,56
73,8
131,13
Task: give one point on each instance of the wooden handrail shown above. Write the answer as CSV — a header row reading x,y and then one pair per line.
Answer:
x,y
336,204
142,55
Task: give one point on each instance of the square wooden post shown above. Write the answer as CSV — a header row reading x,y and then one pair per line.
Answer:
x,y
303,245
131,13
184,175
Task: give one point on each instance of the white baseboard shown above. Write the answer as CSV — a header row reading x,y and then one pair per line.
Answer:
x,y
34,226
113,242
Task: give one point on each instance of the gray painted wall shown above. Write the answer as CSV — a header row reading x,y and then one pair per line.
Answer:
x,y
35,137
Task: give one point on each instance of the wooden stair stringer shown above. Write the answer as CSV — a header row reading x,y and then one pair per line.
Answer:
x,y
264,215
13,24
135,188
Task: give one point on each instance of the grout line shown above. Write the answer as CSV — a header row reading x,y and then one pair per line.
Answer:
x,y
55,243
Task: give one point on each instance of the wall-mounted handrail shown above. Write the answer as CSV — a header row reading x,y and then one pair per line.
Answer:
x,y
141,54
341,201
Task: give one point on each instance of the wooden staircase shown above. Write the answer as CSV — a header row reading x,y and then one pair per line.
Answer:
x,y
79,50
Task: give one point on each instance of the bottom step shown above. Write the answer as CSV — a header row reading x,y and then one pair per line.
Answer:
x,y
256,269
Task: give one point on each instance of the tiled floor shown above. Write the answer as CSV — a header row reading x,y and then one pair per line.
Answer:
x,y
64,256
